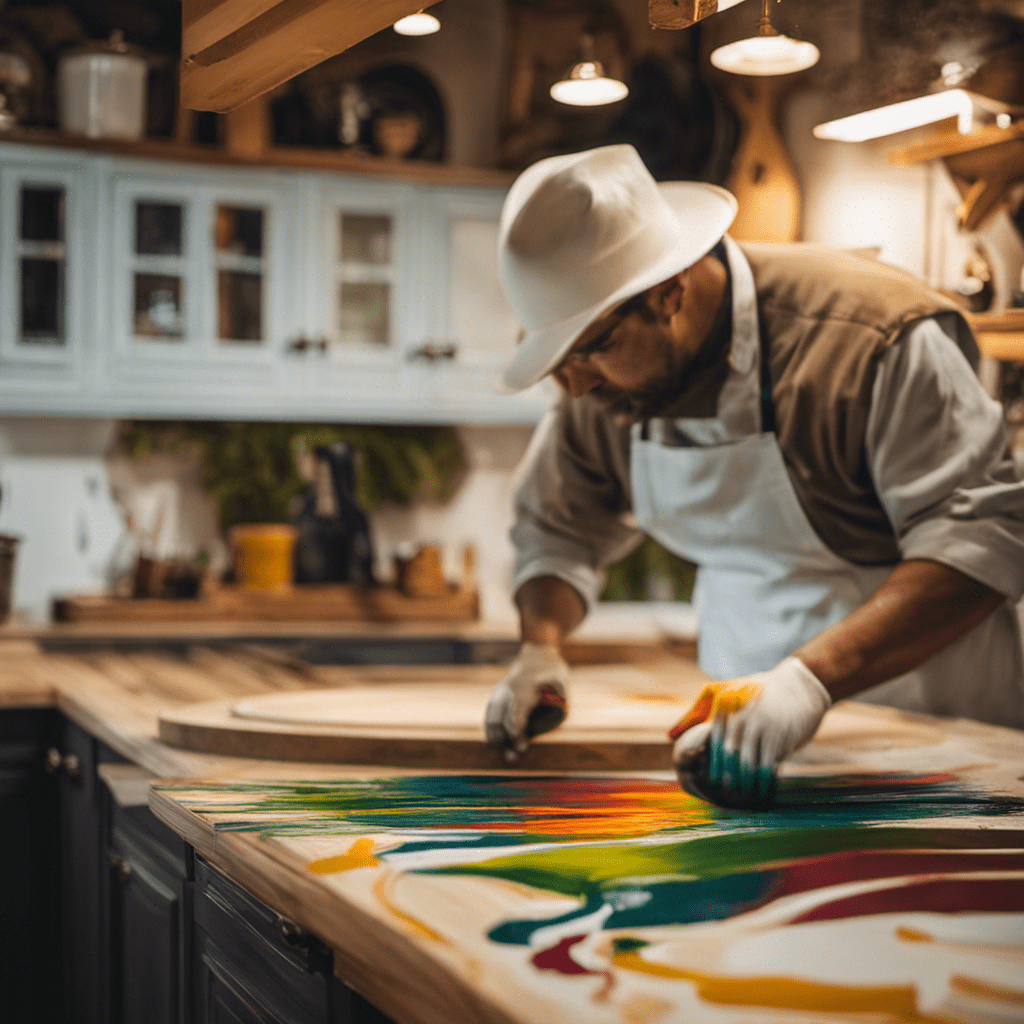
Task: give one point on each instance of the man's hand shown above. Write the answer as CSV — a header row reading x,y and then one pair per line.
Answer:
x,y
731,741
530,700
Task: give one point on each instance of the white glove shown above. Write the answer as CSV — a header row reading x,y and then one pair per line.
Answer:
x,y
746,727
530,700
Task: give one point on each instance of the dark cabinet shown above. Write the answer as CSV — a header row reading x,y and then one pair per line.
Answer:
x,y
72,760
110,918
251,965
29,898
149,920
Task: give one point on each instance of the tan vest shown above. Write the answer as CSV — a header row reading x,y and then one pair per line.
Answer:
x,y
829,318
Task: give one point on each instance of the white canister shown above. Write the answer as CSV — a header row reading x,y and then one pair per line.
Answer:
x,y
102,91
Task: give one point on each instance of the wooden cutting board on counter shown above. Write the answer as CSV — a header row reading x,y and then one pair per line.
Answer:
x,y
619,718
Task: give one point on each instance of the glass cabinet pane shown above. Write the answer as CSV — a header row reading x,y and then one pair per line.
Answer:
x,y
240,230
158,229
42,301
240,303
42,214
363,315
365,239
41,265
239,238
158,311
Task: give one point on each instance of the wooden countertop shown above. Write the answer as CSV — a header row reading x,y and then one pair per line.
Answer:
x,y
455,898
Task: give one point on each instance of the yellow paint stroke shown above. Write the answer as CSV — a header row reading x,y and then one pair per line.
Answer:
x,y
989,949
722,698
380,890
786,993
360,855
655,698
986,990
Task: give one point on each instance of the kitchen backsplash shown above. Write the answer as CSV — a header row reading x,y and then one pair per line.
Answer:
x,y
67,497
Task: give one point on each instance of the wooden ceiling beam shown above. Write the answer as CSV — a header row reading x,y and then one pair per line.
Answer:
x,y
236,50
682,13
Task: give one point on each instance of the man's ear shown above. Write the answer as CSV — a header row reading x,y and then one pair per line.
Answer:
x,y
666,298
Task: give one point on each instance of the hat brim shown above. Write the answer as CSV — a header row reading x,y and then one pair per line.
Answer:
x,y
704,212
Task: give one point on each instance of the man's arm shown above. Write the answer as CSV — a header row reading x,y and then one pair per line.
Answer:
x,y
920,609
549,610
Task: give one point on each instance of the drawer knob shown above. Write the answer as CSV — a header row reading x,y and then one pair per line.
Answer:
x,y
289,932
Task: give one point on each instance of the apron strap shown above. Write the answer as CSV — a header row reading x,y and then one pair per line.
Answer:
x,y
767,405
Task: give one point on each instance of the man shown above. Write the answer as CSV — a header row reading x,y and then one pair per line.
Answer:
x,y
804,425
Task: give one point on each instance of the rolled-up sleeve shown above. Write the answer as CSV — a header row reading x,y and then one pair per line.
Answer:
x,y
936,444
572,500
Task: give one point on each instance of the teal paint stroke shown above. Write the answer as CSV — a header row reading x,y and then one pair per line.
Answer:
x,y
483,810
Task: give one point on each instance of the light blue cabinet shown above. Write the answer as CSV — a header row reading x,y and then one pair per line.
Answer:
x,y
167,290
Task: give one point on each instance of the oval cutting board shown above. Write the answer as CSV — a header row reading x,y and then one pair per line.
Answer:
x,y
619,718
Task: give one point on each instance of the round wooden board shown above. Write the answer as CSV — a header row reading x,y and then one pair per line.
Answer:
x,y
619,719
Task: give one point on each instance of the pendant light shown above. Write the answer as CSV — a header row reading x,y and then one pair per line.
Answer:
x,y
767,53
418,24
586,84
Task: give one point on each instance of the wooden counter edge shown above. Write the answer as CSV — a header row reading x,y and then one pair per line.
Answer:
x,y
398,965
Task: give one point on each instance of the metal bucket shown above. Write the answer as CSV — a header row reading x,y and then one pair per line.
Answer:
x,y
8,547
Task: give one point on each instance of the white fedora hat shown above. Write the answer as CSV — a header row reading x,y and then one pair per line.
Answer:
x,y
583,232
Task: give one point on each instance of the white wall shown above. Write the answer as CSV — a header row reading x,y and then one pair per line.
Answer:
x,y
56,498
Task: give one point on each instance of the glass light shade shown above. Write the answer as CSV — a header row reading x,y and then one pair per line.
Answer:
x,y
900,117
587,86
419,24
765,55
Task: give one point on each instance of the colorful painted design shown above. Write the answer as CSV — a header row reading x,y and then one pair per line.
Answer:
x,y
641,863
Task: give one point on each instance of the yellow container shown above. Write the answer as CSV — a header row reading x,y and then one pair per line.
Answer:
x,y
263,555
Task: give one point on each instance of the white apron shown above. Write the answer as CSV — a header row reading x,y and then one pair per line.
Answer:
x,y
766,582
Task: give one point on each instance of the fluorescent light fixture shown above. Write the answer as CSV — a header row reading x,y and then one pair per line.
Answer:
x,y
765,55
418,24
900,117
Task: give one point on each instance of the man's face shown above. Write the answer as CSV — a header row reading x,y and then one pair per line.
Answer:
x,y
630,359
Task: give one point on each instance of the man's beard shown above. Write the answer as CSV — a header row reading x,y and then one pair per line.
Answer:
x,y
654,395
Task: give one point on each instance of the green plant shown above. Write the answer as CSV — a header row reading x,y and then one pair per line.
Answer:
x,y
250,469
630,579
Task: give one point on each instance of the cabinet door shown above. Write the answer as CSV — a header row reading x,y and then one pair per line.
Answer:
x,y
250,965
466,308
199,291
47,257
148,911
29,904
147,934
360,303
83,901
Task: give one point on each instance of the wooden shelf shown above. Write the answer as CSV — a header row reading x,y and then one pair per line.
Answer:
x,y
1000,335
281,157
952,142
313,603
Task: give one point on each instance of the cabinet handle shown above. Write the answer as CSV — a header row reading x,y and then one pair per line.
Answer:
x,y
302,344
54,761
122,866
289,932
433,351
